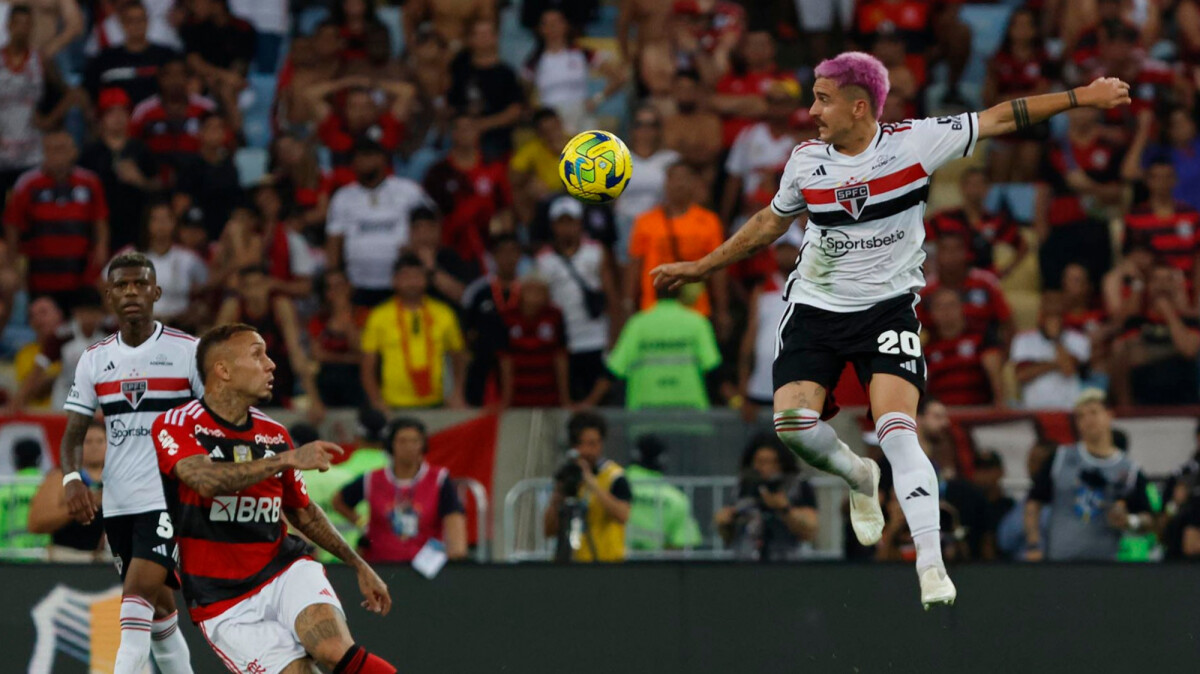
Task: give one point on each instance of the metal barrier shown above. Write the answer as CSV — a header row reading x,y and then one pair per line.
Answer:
x,y
525,503
466,486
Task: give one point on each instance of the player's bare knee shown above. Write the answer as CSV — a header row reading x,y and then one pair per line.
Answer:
x,y
323,633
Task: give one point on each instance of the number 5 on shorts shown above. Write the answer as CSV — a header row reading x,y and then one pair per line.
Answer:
x,y
165,528
893,343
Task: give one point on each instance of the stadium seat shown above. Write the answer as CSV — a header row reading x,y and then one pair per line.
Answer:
x,y
393,19
257,115
251,164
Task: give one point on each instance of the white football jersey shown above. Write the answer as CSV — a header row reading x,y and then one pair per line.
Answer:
x,y
132,386
866,213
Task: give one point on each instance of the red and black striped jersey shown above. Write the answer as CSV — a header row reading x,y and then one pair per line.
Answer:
x,y
981,236
57,221
984,304
534,344
955,369
169,136
1172,237
229,545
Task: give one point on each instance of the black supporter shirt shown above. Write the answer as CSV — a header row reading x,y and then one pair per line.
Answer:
x,y
126,203
135,72
220,46
214,188
483,92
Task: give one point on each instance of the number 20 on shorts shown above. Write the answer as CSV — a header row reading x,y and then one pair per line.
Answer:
x,y
893,343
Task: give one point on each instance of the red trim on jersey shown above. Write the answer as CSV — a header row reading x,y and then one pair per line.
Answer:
x,y
107,340
221,654
174,384
880,185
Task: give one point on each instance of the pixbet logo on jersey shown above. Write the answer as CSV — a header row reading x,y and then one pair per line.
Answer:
x,y
852,198
244,509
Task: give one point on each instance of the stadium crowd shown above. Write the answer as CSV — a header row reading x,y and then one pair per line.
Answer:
x,y
377,192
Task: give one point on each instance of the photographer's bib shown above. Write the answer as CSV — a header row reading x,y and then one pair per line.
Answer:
x,y
403,513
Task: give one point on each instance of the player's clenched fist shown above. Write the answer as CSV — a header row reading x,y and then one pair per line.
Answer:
x,y
1105,93
315,455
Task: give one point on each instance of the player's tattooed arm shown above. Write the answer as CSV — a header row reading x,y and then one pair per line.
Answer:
x,y
210,479
312,521
760,231
1022,113
71,449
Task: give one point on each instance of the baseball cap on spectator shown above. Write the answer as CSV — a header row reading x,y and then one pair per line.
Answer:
x,y
565,206
110,98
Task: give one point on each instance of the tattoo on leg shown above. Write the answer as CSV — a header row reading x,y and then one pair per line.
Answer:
x,y
314,635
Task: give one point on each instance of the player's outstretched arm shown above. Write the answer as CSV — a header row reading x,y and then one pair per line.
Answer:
x,y
210,479
1022,113
760,231
80,501
312,521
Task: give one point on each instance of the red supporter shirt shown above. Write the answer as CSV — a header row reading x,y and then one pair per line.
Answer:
x,y
469,197
333,133
167,136
910,20
955,369
57,226
982,236
1154,83
229,546
747,84
1099,159
983,301
1015,76
534,343
1172,237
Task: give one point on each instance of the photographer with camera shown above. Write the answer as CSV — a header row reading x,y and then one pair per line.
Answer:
x,y
776,509
1095,493
591,501
1181,519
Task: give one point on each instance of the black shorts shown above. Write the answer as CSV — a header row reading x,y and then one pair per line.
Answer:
x,y
149,535
815,345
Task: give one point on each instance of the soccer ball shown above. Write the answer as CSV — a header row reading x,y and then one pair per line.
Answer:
x,y
595,167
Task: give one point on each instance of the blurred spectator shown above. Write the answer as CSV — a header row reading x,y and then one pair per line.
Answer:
x,y
354,19
650,163
406,343
583,288
384,74
927,29
484,87
577,12
271,22
904,84
162,17
980,228
180,273
473,194
1082,308
743,96
368,224
61,351
535,165
334,335
58,218
277,241
935,432
706,33
1019,68
533,360
776,509
765,311
760,148
1080,180
219,46
274,316
484,302
208,180
644,40
678,230
982,299
312,59
45,317
448,273
600,491
1049,358
1181,530
125,166
1010,534
410,502
1169,228
71,542
559,71
964,366
664,353
304,187
362,121
55,24
451,21
1152,83
131,66
15,499
169,121
1181,147
1154,360
661,515
1124,285
693,132
1095,492
428,65
817,21
1088,28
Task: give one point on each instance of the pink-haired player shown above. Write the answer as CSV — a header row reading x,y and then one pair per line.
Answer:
x,y
854,291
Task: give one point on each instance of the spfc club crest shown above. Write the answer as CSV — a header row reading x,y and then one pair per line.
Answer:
x,y
853,198
134,391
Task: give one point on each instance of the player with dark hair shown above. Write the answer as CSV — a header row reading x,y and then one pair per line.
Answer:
x,y
262,602
863,186
132,376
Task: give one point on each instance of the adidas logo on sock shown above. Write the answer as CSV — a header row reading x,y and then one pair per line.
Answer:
x,y
917,493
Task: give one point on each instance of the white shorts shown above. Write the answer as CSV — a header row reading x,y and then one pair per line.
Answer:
x,y
258,634
817,15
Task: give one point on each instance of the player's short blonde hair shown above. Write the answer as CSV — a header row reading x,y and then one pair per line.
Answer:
x,y
1091,395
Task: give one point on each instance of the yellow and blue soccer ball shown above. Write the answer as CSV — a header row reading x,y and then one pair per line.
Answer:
x,y
595,167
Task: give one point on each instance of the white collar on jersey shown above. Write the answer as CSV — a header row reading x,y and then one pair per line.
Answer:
x,y
158,328
865,153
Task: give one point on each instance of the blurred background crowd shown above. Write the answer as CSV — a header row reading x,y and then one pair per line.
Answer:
x,y
374,186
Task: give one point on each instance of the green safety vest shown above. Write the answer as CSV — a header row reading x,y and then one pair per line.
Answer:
x,y
14,513
1143,547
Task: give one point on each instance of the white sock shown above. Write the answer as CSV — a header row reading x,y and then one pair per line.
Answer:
x,y
169,647
915,483
818,444
136,617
